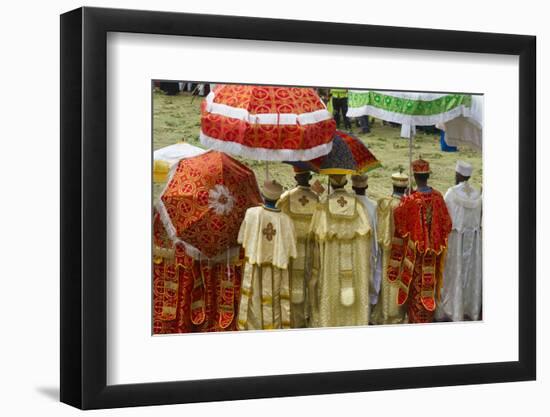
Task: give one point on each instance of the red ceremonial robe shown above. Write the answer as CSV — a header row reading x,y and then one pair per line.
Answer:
x,y
188,295
422,225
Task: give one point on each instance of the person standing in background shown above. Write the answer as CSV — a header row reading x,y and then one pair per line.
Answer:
x,y
461,293
299,204
339,98
422,226
360,185
387,311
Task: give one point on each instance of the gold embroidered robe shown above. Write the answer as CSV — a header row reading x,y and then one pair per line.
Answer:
x,y
299,204
269,242
340,275
387,311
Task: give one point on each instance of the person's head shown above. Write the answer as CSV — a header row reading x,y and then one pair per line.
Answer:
x,y
421,179
359,183
421,171
302,178
400,181
463,171
272,190
337,181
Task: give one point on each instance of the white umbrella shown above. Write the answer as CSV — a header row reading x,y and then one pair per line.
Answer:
x,y
165,158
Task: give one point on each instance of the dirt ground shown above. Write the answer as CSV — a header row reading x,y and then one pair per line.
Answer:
x,y
177,118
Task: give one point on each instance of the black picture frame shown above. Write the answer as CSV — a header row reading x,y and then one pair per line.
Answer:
x,y
84,207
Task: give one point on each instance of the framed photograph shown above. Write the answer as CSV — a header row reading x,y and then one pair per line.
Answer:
x,y
257,208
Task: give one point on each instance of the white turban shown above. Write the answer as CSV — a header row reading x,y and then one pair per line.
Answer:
x,y
464,168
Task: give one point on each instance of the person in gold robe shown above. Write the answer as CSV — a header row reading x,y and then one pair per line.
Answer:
x,y
269,241
387,311
299,204
339,278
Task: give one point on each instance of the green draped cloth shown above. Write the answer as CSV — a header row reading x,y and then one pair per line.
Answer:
x,y
408,108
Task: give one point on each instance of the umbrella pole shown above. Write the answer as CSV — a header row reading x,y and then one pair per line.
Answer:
x,y
411,137
267,170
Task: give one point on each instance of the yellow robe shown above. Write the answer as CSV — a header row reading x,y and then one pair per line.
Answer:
x,y
269,242
299,204
387,311
340,273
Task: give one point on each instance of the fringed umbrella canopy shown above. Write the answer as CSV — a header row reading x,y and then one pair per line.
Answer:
x,y
408,108
267,123
204,202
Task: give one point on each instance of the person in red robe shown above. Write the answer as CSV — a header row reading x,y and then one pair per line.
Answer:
x,y
191,295
422,226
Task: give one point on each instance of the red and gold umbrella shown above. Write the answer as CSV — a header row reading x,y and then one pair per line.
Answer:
x,y
204,203
267,123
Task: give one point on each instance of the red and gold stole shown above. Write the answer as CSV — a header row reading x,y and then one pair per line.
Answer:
x,y
188,295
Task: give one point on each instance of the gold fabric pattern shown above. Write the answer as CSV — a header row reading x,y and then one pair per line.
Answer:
x,y
342,204
340,273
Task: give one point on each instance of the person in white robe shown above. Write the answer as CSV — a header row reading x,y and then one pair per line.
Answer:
x,y
359,183
462,276
268,238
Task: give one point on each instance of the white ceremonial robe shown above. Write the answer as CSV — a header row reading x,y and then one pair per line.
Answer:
x,y
462,276
269,242
371,208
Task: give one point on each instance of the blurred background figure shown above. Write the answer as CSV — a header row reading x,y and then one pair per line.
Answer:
x,y
387,311
339,98
171,88
461,293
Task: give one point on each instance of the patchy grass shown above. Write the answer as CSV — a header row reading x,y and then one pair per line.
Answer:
x,y
177,118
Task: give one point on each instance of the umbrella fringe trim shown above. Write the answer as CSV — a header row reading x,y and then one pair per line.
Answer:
x,y
265,154
390,116
405,95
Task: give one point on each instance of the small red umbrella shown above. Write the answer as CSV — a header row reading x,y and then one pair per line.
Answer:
x,y
204,203
267,123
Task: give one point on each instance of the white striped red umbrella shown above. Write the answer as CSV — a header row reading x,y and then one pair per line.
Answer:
x,y
267,123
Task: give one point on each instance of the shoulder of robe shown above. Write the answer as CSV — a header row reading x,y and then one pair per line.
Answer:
x,y
283,199
384,204
437,194
467,197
